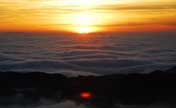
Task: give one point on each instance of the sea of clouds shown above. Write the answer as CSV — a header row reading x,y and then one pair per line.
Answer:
x,y
96,54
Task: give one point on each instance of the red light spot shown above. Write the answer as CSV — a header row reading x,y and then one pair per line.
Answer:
x,y
85,95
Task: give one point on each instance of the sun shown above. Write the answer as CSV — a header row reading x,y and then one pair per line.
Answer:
x,y
83,22
83,30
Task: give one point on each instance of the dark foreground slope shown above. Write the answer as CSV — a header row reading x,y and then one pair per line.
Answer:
x,y
131,89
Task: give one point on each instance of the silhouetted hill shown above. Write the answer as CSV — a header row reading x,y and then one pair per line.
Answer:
x,y
157,86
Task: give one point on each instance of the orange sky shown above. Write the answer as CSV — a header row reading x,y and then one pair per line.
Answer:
x,y
83,16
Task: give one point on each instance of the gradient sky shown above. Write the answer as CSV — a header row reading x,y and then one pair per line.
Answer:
x,y
87,15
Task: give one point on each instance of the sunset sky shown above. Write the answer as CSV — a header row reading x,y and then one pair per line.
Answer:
x,y
83,16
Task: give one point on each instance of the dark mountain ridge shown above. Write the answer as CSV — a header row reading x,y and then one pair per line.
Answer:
x,y
157,86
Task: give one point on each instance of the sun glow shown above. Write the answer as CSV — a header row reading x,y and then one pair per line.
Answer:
x,y
83,19
83,22
83,3
83,30
87,16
